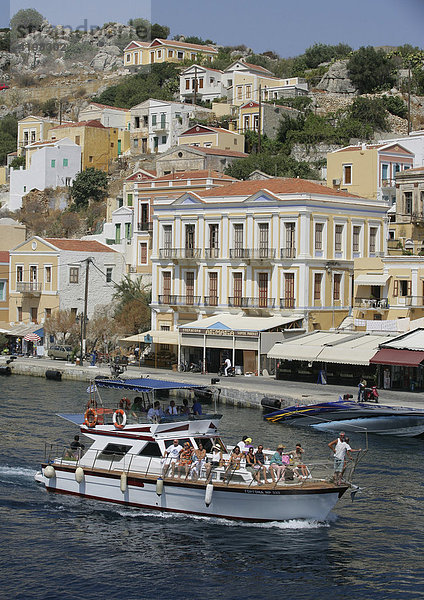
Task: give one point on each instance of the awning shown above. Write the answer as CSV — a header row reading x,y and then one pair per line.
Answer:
x,y
402,358
372,279
285,351
158,336
23,330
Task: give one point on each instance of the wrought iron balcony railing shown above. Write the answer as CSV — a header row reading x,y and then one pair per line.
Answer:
x,y
211,253
30,287
211,300
287,302
180,253
288,253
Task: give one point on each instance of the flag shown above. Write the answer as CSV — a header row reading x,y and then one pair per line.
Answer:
x,y
92,388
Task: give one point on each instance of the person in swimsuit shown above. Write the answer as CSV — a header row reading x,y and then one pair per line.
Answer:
x,y
233,462
260,462
186,458
298,461
199,456
216,461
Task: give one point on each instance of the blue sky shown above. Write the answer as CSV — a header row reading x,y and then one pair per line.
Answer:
x,y
285,26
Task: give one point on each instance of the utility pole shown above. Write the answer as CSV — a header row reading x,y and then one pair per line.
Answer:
x,y
260,119
409,97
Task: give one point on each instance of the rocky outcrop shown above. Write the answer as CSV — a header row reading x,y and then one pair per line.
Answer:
x,y
110,57
336,80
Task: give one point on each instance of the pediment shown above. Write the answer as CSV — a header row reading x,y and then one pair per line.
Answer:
x,y
188,198
261,197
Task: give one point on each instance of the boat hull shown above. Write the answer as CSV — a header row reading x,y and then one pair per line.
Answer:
x,y
246,504
354,417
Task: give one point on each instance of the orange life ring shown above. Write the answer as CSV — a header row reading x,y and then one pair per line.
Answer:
x,y
122,414
90,417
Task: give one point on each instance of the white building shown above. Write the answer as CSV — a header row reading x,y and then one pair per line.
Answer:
x,y
156,124
48,165
414,142
205,82
109,116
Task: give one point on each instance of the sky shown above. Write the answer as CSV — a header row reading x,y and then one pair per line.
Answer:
x,y
284,26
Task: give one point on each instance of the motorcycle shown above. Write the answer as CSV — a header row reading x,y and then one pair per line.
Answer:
x,y
195,368
231,372
371,394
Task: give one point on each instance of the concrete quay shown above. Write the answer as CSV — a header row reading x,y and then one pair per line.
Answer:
x,y
240,390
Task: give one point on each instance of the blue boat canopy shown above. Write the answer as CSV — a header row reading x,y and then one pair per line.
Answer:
x,y
144,384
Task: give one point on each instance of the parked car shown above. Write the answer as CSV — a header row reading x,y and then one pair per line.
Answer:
x,y
4,86
63,352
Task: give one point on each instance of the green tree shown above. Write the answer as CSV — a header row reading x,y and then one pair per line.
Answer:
x,y
160,31
395,105
371,70
8,137
319,53
49,108
18,162
90,184
26,21
370,111
193,39
277,165
133,305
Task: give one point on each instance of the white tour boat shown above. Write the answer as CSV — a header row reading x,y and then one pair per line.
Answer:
x,y
125,465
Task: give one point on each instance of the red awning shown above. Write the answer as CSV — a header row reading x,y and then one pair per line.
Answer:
x,y
402,358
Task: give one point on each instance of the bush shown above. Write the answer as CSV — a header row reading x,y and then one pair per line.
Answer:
x,y
370,70
396,106
90,184
18,162
320,53
26,21
277,165
25,80
49,108
370,111
79,51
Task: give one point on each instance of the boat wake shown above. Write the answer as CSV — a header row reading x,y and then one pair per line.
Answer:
x,y
291,524
16,475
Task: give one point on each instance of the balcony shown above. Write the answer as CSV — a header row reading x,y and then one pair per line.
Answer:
x,y
180,253
240,253
28,288
187,300
262,254
288,302
242,302
411,301
211,253
287,253
371,303
211,300
145,226
161,126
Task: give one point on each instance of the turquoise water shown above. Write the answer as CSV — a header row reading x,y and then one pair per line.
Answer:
x,y
63,547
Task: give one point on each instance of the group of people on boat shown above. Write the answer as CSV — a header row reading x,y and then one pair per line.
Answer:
x,y
184,460
155,413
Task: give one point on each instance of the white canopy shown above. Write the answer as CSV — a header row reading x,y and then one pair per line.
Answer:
x,y
372,279
158,336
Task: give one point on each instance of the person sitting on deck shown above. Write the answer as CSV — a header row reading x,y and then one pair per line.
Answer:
x,y
233,463
172,409
155,413
76,448
184,409
196,408
252,466
277,466
199,456
171,456
186,458
298,461
215,462
244,443
260,462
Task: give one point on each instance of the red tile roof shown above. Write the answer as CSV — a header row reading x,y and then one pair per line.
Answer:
x,y
108,106
4,256
220,152
202,174
79,245
185,45
276,185
92,123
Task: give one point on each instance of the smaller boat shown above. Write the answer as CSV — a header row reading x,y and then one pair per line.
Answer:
x,y
353,416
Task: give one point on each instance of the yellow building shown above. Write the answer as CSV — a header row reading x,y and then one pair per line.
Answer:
x,y
99,144
127,198
12,233
34,129
204,136
368,170
247,118
159,51
275,248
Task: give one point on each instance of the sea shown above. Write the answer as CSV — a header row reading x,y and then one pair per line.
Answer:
x,y
58,547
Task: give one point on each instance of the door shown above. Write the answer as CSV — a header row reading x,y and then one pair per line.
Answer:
x,y
237,289
119,147
288,300
189,241
118,233
263,240
190,288
238,241
213,289
166,287
263,290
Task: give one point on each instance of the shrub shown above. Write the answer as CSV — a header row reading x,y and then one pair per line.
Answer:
x,y
370,111
370,70
26,21
18,162
395,105
320,53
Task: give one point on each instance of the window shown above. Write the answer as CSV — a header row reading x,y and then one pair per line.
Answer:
x,y
128,57
317,286
65,162
373,239
248,91
151,449
163,120
68,181
90,159
263,290
47,313
263,240
347,174
2,290
25,188
395,169
384,173
402,287
32,136
109,271
19,313
77,139
167,236
136,122
113,452
164,138
135,142
53,163
338,238
201,83
117,233
246,121
336,286
33,274
166,285
19,274
239,92
129,199
189,287
128,231
290,231
143,253
47,274
159,53
170,53
256,122
213,236
73,274
189,238
180,55
187,84
154,119
355,238
408,202
318,236
34,314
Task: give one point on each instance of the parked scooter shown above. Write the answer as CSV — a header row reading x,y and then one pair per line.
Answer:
x,y
371,394
195,367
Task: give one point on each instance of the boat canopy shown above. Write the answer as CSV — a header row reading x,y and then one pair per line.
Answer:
x,y
144,384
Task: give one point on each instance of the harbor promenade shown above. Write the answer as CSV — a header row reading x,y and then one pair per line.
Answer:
x,y
240,390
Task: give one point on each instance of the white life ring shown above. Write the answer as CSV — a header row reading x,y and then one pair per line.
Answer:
x,y
123,418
